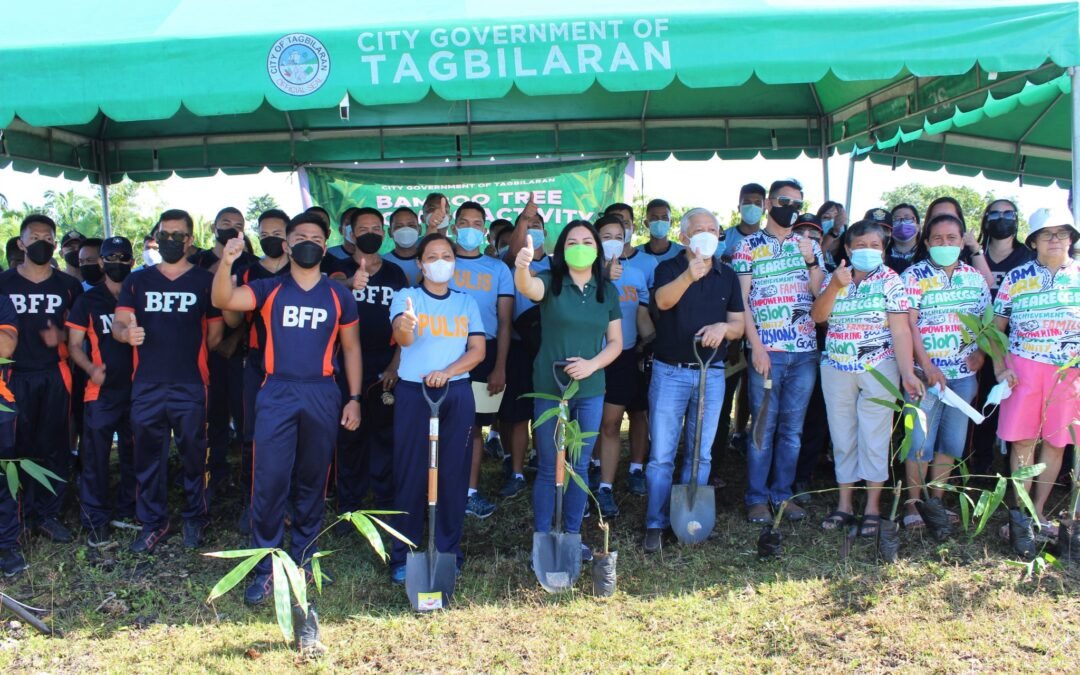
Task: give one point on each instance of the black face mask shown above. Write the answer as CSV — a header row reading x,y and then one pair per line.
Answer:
x,y
306,254
369,242
91,274
273,247
1001,228
171,250
223,236
784,216
71,258
41,252
117,271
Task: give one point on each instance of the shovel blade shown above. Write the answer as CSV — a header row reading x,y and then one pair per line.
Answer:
x,y
556,560
692,523
428,592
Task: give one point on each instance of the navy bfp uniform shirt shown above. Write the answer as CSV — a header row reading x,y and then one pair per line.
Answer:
x,y
93,312
39,305
175,314
302,326
373,310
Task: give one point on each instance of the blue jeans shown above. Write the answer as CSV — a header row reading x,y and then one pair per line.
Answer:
x,y
771,468
587,411
946,427
673,397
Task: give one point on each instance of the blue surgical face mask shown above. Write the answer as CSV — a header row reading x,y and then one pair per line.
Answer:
x,y
470,238
751,213
866,259
660,228
827,225
536,237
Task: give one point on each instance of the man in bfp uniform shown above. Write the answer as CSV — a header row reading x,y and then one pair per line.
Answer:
x,y
107,397
11,558
41,380
298,409
164,312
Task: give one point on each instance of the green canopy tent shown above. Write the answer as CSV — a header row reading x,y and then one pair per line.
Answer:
x,y
149,89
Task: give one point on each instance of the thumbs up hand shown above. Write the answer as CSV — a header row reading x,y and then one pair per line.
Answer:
x,y
233,248
360,279
136,334
50,335
806,247
408,317
614,269
525,255
697,268
842,275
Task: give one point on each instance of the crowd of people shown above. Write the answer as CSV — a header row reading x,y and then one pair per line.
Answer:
x,y
320,362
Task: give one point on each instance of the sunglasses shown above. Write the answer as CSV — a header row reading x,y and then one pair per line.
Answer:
x,y
116,258
788,201
1001,215
175,236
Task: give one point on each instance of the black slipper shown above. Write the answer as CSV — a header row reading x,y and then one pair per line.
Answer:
x,y
870,525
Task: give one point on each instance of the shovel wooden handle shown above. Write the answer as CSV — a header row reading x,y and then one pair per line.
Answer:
x,y
560,468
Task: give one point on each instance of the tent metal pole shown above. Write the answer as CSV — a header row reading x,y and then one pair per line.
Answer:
x,y
850,184
824,157
1074,75
103,181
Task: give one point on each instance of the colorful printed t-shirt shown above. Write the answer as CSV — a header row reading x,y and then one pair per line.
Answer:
x,y
939,301
1043,309
858,337
780,297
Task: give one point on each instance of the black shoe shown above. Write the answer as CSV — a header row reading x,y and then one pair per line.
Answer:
x,y
608,507
306,631
653,536
12,561
1021,534
54,530
147,540
193,534
99,536
262,586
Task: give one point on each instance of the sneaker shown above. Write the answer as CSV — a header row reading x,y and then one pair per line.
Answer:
x,y
12,561
594,478
243,525
306,631
514,486
653,536
261,588
193,534
147,540
478,507
606,499
586,553
397,575
493,446
54,530
636,483
99,536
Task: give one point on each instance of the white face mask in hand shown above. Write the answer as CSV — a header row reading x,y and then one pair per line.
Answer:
x,y
151,257
998,393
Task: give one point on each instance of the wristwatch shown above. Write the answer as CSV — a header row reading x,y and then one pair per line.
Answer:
x,y
356,397
812,264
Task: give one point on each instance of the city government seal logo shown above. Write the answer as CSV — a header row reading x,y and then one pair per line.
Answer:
x,y
298,64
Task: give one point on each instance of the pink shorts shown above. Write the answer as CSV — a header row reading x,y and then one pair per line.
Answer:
x,y
1041,404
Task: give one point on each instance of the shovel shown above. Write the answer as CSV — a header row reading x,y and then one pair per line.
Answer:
x,y
556,555
693,506
760,415
430,575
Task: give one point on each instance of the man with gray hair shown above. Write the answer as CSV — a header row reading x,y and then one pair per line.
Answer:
x,y
696,298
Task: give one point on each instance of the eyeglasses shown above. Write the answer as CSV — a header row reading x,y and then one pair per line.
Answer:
x,y
1060,235
175,236
1001,215
788,201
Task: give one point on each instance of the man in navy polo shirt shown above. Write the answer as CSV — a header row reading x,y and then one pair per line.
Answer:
x,y
164,312
695,296
41,380
12,561
299,408
107,394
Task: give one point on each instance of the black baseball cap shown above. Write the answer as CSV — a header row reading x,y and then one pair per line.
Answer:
x,y
114,245
70,236
879,216
808,219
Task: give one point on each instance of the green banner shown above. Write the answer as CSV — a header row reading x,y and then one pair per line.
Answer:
x,y
564,191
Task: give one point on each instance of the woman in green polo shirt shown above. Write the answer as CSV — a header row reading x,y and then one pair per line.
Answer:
x,y
582,323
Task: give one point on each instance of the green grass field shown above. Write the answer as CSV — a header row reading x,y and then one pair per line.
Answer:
x,y
952,607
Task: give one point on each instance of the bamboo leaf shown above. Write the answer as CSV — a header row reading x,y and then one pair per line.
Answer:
x,y
572,390
38,473
282,608
891,405
1025,472
316,571
994,501
12,471
1024,498
988,315
238,553
909,430
587,435
393,533
577,480
296,579
888,384
545,416
235,575
546,397
962,469
364,526
965,510
378,512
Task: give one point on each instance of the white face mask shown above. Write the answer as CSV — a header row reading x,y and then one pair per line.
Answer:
x,y
997,394
405,237
704,244
439,271
151,257
612,248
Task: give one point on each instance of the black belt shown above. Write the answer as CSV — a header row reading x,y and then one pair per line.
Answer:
x,y
692,366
